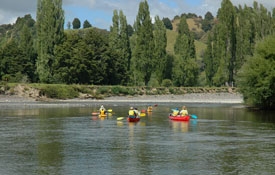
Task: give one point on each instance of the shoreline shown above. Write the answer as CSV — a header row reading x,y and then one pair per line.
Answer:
x,y
219,98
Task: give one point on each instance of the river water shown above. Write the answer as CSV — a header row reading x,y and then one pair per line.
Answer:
x,y
68,140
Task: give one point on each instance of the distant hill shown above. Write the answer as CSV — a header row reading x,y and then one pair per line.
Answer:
x,y
193,23
194,26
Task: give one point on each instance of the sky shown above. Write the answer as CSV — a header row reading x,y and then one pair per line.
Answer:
x,y
100,12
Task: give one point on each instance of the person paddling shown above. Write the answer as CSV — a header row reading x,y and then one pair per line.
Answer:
x,y
132,113
102,110
184,111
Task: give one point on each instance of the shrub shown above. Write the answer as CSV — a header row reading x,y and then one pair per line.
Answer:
x,y
167,83
59,92
119,90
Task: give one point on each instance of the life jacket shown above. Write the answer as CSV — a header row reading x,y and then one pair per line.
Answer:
x,y
102,112
131,112
183,112
175,113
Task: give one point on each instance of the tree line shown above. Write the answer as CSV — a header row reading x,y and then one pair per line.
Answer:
x,y
43,51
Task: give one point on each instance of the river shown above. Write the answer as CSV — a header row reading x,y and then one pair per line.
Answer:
x,y
68,140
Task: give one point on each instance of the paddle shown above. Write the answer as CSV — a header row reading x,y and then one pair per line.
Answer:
x,y
95,113
120,118
109,110
174,109
193,116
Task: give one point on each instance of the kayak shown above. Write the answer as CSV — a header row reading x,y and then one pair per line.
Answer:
x,y
142,114
143,111
132,119
179,118
95,113
102,115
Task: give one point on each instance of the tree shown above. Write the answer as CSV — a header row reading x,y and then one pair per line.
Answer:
x,y
130,30
185,72
226,42
143,57
119,45
50,32
160,40
76,23
86,24
167,23
69,25
207,22
256,79
82,58
26,45
10,58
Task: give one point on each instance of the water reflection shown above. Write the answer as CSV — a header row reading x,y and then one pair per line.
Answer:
x,y
181,126
49,145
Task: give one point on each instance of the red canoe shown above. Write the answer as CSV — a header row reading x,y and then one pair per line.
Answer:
x,y
133,119
180,118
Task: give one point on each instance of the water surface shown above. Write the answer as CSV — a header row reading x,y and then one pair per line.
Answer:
x,y
225,139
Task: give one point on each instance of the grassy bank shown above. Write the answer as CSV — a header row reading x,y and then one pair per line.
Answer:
x,y
61,91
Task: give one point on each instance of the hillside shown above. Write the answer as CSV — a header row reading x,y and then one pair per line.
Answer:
x,y
195,26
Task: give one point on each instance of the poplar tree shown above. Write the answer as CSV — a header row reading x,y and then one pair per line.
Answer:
x,y
160,40
143,52
185,72
50,31
226,44
119,45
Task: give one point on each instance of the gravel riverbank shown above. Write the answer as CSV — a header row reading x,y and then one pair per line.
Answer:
x,y
233,98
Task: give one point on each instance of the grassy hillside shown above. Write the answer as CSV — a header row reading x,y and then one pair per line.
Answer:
x,y
171,39
194,26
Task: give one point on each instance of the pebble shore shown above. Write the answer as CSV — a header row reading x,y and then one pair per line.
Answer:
x,y
232,98
187,98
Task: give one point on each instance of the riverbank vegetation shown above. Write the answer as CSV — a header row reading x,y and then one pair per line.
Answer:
x,y
185,52
62,91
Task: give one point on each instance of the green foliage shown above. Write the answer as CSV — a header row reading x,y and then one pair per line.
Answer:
x,y
87,62
257,77
58,92
50,27
103,90
208,22
143,57
160,39
120,51
185,69
117,90
37,51
167,83
76,23
86,24
167,23
130,30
